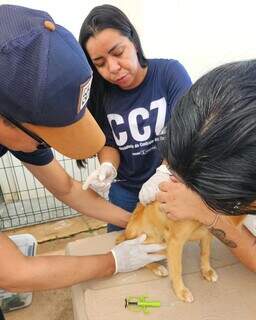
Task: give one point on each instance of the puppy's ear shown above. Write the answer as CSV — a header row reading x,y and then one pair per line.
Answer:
x,y
236,220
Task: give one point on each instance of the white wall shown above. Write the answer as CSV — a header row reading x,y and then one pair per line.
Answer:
x,y
71,14
200,33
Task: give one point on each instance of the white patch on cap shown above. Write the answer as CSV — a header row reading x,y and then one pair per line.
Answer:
x,y
84,94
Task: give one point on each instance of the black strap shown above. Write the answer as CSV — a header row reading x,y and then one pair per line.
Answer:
x,y
1,315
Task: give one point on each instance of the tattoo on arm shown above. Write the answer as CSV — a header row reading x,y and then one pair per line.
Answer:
x,y
221,235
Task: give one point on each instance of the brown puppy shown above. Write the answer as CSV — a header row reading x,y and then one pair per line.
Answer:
x,y
159,229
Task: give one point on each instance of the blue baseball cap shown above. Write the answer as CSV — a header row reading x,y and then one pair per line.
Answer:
x,y
45,82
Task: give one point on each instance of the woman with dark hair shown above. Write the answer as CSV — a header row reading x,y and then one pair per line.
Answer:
x,y
131,98
210,147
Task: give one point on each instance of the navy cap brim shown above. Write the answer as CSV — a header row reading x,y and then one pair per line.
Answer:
x,y
80,140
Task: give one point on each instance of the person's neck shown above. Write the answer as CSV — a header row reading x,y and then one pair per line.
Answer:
x,y
142,75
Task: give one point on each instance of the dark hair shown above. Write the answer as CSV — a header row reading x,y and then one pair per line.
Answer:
x,y
99,19
211,138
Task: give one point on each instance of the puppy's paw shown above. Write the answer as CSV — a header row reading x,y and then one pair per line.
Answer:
x,y
157,269
210,275
185,295
160,271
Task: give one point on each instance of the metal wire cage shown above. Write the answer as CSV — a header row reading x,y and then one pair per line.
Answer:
x,y
24,201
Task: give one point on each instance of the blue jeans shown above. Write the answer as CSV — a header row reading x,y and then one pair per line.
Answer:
x,y
123,198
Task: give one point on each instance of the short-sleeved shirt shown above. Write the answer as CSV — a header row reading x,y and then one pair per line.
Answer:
x,y
38,157
135,119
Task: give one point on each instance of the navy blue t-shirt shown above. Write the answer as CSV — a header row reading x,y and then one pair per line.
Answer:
x,y
136,118
38,157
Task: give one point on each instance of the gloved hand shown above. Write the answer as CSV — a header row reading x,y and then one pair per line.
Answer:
x,y
100,179
149,189
250,223
132,254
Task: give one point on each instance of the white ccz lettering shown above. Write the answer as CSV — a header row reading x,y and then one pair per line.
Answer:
x,y
117,119
121,137
161,105
133,124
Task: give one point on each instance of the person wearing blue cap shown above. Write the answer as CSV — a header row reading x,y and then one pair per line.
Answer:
x,y
44,88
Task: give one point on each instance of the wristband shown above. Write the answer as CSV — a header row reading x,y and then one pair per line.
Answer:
x,y
114,255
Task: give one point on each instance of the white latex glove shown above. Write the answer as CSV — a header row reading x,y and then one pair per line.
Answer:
x,y
150,188
100,179
250,223
132,254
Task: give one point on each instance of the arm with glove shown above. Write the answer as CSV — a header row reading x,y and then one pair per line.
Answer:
x,y
101,178
133,254
150,188
54,272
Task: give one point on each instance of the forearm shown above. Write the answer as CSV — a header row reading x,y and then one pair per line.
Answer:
x,y
69,191
91,204
53,272
109,154
241,242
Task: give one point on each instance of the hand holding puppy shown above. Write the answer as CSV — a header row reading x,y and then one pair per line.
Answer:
x,y
132,254
180,202
150,188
